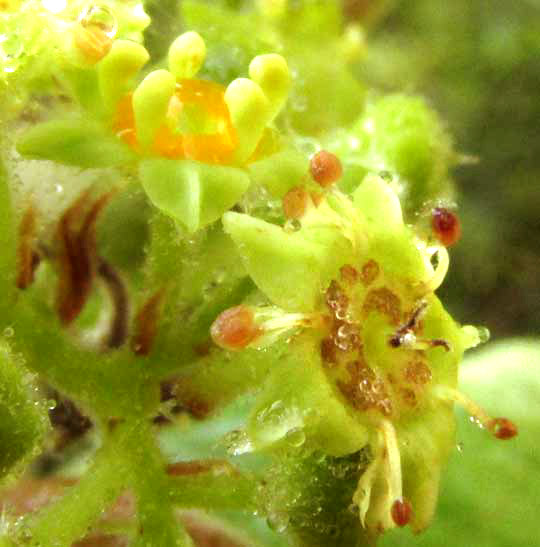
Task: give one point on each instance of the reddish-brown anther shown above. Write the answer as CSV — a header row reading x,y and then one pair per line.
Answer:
x,y
295,203
77,256
146,323
325,168
27,257
235,328
503,428
446,226
401,512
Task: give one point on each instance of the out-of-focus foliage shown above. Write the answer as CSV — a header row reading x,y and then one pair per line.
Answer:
x,y
479,63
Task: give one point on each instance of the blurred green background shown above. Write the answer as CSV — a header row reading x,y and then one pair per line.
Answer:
x,y
478,63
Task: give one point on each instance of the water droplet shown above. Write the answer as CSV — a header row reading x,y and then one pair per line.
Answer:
x,y
101,17
51,404
8,332
295,437
237,442
483,334
292,225
386,176
459,447
476,421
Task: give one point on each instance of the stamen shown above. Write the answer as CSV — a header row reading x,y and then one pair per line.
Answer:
x,y
296,202
439,274
394,460
325,168
401,512
446,226
364,488
235,328
501,428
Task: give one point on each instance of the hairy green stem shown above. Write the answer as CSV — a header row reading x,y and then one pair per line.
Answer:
x,y
70,518
214,491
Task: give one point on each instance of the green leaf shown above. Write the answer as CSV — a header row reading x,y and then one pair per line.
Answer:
x,y
195,194
74,142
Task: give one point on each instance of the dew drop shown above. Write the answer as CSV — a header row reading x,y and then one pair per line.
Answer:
x,y
8,332
100,17
292,225
386,176
295,437
483,334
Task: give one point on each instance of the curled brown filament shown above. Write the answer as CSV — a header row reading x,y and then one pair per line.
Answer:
x,y
77,255
28,258
146,323
118,330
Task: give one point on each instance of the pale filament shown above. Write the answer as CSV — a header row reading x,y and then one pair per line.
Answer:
x,y
454,396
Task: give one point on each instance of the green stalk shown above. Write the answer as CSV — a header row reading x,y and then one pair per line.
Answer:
x,y
71,517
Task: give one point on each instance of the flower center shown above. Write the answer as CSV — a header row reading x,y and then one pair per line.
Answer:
x,y
198,125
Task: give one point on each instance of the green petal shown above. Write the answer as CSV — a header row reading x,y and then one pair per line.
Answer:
x,y
292,269
193,193
74,142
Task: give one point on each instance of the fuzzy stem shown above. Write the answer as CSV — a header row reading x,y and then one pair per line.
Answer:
x,y
70,518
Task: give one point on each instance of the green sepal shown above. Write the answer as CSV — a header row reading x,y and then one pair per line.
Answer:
x,y
379,204
292,269
193,193
315,408
23,421
427,438
279,172
74,142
